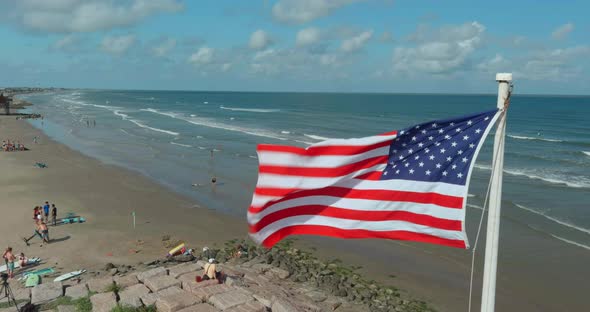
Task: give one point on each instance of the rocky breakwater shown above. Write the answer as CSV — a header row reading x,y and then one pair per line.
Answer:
x,y
282,279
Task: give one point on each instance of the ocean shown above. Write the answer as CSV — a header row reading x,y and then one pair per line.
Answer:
x,y
183,139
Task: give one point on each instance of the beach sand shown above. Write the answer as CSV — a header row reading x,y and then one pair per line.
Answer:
x,y
530,278
106,196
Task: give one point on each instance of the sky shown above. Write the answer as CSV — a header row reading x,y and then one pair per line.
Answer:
x,y
408,46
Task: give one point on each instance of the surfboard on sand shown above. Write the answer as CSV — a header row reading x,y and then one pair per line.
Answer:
x,y
30,261
68,275
32,280
175,250
41,272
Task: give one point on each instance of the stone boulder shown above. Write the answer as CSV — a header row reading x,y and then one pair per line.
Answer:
x,y
157,283
131,296
104,302
44,293
159,271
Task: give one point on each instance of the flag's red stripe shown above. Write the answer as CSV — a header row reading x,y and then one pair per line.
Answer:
x,y
394,132
342,233
322,150
324,172
385,195
360,215
372,176
274,191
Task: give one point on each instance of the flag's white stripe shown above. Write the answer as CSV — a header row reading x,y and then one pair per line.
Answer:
x,y
270,158
279,181
285,181
360,204
355,225
355,141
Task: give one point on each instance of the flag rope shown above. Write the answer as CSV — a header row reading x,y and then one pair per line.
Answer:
x,y
485,204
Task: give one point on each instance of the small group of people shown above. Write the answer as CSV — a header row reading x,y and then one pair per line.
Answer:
x,y
10,259
13,146
42,213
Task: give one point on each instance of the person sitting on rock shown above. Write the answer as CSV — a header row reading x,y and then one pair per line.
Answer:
x,y
210,272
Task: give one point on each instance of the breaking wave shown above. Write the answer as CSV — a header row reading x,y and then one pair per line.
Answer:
x,y
571,242
141,125
566,224
183,145
518,137
316,137
586,153
252,110
567,181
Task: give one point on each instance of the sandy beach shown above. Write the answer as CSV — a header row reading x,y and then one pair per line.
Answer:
x,y
105,196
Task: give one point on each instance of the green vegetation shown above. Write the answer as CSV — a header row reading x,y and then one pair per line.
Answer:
x,y
113,288
5,304
120,308
83,304
55,303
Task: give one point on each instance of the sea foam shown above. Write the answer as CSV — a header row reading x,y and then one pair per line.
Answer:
x,y
252,110
519,137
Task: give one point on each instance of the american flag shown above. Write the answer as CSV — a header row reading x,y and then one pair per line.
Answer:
x,y
407,185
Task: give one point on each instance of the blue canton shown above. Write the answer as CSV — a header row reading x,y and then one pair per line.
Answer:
x,y
437,151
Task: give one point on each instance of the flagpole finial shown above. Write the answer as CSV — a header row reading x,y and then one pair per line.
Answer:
x,y
504,77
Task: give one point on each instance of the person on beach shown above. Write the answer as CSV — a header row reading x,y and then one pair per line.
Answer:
x,y
9,258
35,213
35,139
46,211
44,232
22,260
53,214
209,271
36,232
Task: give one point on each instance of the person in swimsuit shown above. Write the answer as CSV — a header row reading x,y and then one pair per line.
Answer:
x,y
9,258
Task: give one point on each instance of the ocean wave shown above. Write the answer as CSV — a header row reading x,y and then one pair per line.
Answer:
x,y
123,116
567,181
518,137
566,224
586,153
141,125
288,132
253,157
571,242
214,124
183,145
201,147
316,137
252,110
474,206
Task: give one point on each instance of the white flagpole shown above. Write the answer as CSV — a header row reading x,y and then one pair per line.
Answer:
x,y
488,296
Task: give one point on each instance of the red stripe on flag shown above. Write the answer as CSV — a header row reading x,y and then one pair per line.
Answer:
x,y
371,176
385,195
322,150
341,233
324,172
361,215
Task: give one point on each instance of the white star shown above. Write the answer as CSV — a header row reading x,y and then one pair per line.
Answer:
x,y
465,137
407,165
458,129
394,151
445,173
441,130
438,166
404,144
427,172
411,171
420,144
401,132
385,172
442,151
417,127
410,151
454,167
454,144
464,159
469,123
397,171
486,118
434,125
421,164
401,157
471,145
426,151
478,131
431,157
437,143
413,138
417,157
449,158
459,175
452,124
459,152
447,136
430,138
423,131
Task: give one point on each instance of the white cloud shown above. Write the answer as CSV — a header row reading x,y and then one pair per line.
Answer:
x,y
302,11
259,40
64,43
165,46
555,64
307,36
496,64
203,56
386,37
226,67
442,52
357,42
117,44
85,15
562,31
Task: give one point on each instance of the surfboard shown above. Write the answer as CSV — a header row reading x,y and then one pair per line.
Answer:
x,y
68,275
32,280
41,272
30,261
175,250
